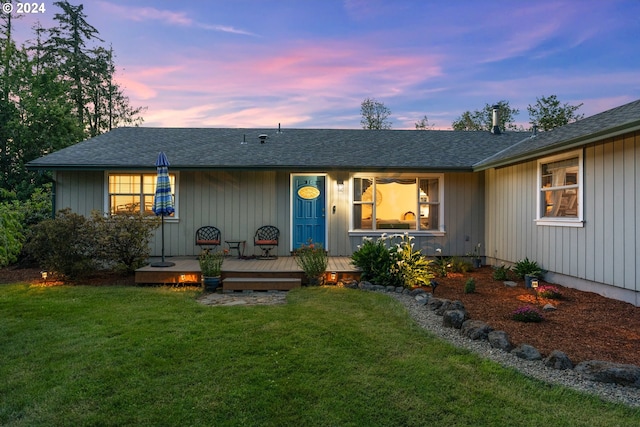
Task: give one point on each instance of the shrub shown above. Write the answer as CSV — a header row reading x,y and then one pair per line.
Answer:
x,y
470,286
11,233
373,258
441,265
501,272
65,245
548,291
123,240
527,267
460,265
312,259
527,314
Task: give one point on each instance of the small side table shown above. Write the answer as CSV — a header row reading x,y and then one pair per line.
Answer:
x,y
238,245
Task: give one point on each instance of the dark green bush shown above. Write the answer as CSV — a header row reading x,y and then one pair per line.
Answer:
x,y
73,246
470,286
11,233
460,265
64,245
501,272
374,259
122,241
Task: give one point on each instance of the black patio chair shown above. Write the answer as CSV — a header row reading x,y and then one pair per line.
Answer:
x,y
266,238
207,237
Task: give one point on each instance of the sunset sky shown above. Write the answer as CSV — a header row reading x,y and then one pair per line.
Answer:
x,y
311,63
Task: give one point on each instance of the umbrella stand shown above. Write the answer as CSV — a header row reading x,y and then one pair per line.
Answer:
x,y
162,263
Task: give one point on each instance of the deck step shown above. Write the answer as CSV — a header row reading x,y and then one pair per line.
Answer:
x,y
260,284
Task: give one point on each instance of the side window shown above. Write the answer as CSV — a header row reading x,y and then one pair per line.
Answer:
x,y
133,193
560,190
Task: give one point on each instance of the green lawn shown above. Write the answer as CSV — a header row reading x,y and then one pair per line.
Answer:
x,y
330,357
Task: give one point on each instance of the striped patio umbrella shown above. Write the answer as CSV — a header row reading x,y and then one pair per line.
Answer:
x,y
163,200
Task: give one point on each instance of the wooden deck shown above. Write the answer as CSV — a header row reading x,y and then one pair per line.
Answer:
x,y
246,274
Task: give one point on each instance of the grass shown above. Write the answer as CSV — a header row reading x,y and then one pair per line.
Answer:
x,y
152,356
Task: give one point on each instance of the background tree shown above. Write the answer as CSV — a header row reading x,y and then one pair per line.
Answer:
x,y
549,113
483,119
423,124
55,90
374,115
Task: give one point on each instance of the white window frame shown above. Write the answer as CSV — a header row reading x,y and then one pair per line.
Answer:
x,y
107,198
577,221
440,231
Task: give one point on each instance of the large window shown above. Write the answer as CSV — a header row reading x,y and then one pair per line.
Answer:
x,y
560,190
404,203
134,192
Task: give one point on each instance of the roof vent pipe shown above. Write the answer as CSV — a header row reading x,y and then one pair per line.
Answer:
x,y
496,120
535,130
263,137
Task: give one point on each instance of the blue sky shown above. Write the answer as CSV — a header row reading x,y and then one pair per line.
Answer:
x,y
311,63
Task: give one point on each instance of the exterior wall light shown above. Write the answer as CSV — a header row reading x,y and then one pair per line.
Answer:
x,y
340,186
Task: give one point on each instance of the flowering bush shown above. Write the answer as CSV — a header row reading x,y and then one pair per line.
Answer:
x,y
312,259
411,267
392,264
527,314
548,291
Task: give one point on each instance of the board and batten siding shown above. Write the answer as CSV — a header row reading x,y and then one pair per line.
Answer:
x,y
601,256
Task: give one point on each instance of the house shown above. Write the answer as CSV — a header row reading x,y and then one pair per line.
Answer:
x,y
565,198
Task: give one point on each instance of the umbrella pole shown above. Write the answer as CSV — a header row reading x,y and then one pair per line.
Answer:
x,y
162,263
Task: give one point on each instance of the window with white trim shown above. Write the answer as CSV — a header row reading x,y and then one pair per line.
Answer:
x,y
560,190
390,202
132,192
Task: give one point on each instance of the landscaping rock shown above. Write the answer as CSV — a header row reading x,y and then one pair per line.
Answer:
x,y
422,299
417,291
500,340
610,372
378,288
367,286
527,352
399,289
549,307
454,318
436,303
475,329
449,305
510,283
558,360
390,288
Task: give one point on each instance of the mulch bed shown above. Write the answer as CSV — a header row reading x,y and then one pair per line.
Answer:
x,y
586,326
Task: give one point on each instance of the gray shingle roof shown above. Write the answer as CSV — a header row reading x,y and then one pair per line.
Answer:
x,y
322,149
609,123
204,148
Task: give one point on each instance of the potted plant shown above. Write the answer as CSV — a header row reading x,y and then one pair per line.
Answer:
x,y
211,268
528,270
313,260
475,256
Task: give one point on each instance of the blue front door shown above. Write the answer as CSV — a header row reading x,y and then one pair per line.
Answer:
x,y
308,210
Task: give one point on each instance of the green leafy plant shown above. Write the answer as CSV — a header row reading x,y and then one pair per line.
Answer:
x,y
123,240
312,259
527,314
65,245
373,258
501,272
548,291
211,263
470,286
526,267
409,265
440,265
11,233
460,265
